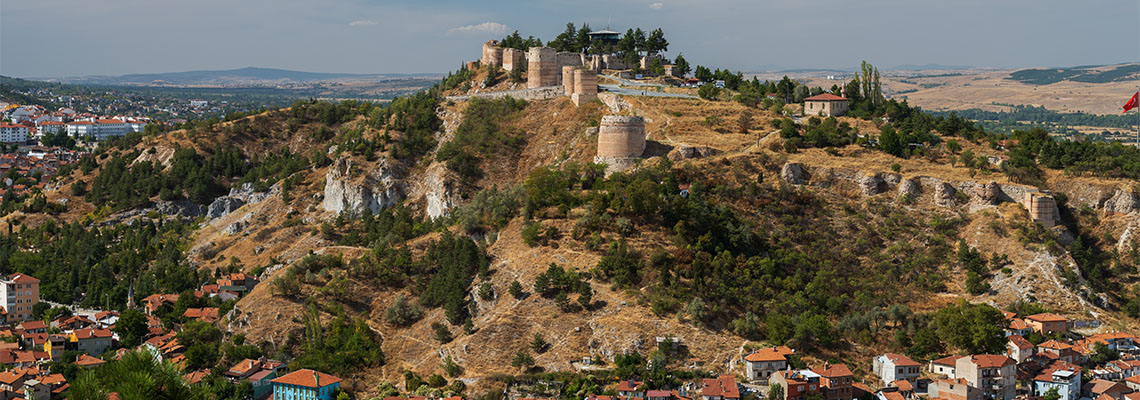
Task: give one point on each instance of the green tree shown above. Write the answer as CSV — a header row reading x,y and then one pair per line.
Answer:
x,y
890,142
973,328
403,312
681,66
656,42
516,289
1052,394
538,344
131,327
522,360
775,392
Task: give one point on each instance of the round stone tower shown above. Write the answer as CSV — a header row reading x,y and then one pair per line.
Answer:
x,y
492,54
621,137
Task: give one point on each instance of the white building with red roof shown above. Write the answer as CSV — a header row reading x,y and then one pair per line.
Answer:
x,y
826,105
18,294
13,133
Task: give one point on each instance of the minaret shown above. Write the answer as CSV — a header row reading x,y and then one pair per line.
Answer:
x,y
131,297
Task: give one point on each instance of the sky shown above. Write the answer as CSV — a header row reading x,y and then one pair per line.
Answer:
x,y
57,38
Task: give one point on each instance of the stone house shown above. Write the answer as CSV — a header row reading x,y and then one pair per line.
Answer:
x,y
826,104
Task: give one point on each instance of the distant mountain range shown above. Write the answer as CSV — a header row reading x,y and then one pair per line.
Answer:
x,y
241,76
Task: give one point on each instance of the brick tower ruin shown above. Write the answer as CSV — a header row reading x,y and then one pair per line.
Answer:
x,y
542,68
621,142
492,54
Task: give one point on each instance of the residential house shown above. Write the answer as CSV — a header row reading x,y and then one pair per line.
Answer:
x,y
836,381
33,326
106,318
1017,348
995,375
904,387
944,365
760,364
797,384
826,104
1118,341
1099,387
891,367
305,384
1063,351
86,361
1063,376
34,389
1133,382
631,389
262,382
207,314
91,341
658,395
18,294
1127,368
953,389
889,394
155,301
722,388
1047,323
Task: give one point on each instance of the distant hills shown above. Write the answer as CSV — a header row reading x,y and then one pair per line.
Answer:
x,y
251,76
1086,74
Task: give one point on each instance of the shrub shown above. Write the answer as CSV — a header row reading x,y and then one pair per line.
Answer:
x,y
442,334
486,291
531,234
402,312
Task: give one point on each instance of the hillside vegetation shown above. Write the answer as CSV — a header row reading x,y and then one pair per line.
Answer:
x,y
538,257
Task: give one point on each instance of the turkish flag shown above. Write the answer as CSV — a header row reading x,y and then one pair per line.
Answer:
x,y
1132,103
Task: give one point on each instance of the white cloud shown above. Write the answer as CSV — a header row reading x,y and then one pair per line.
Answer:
x,y
362,22
486,27
657,6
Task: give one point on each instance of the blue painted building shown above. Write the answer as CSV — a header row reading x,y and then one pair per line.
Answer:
x,y
1065,377
305,384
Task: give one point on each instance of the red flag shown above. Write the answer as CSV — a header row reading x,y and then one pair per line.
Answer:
x,y
1132,103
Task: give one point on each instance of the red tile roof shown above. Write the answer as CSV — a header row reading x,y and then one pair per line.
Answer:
x,y
86,360
825,97
778,353
1020,342
948,360
21,278
307,378
991,361
901,360
723,386
834,371
1047,317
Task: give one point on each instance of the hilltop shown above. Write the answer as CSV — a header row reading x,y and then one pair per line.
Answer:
x,y
737,228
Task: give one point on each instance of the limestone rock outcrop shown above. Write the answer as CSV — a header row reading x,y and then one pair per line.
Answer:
x,y
870,185
944,194
794,173
353,191
238,197
908,188
1122,201
690,152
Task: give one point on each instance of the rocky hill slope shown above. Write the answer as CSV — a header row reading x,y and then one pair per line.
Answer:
x,y
886,227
